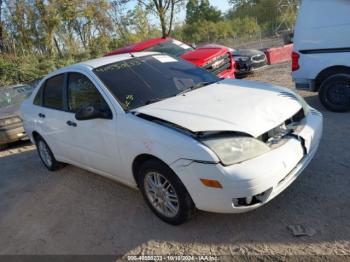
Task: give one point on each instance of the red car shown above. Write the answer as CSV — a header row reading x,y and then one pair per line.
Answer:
x,y
215,59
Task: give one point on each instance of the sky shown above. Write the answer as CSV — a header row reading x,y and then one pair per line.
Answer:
x,y
220,4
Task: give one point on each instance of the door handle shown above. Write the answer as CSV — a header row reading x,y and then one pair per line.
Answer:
x,y
71,123
41,115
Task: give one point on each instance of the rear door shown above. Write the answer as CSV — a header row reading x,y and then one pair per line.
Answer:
x,y
49,113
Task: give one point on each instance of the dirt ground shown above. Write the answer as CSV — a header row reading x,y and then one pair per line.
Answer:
x,y
76,212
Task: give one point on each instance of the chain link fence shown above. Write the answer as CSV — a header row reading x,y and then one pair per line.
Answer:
x,y
259,40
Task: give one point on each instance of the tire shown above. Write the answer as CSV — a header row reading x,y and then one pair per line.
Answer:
x,y
180,211
46,155
334,93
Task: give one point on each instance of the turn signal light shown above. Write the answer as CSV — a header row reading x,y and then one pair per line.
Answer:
x,y
211,183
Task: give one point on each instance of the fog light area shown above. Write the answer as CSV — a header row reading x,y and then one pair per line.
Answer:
x,y
252,200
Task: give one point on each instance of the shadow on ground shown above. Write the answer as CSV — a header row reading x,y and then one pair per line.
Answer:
x,y
75,212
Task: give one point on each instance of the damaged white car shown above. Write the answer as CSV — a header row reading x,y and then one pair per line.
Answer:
x,y
184,137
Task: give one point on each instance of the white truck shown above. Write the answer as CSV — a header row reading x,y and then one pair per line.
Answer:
x,y
321,57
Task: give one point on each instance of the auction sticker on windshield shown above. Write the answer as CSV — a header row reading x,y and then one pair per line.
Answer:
x,y
165,58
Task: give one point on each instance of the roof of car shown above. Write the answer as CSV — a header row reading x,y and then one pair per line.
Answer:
x,y
112,59
94,63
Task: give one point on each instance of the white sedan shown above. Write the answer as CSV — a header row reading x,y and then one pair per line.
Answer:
x,y
184,137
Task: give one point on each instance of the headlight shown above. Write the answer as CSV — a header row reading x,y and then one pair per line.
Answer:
x,y
243,58
233,150
9,121
303,103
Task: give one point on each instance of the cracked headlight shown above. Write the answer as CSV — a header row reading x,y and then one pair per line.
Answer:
x,y
233,150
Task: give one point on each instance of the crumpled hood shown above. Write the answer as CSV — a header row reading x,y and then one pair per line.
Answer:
x,y
229,105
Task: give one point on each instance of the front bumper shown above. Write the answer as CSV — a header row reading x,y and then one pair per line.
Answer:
x,y
11,134
227,73
270,173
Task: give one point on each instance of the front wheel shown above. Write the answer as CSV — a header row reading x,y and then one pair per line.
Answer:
x,y
164,193
335,93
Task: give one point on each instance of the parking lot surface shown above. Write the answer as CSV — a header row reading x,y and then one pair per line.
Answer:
x,y
76,212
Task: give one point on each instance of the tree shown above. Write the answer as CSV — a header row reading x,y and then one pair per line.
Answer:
x,y
165,11
268,13
201,10
1,30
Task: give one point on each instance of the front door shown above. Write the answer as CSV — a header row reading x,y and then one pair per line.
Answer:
x,y
94,140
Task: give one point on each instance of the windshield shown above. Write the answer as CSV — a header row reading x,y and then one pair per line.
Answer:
x,y
139,81
14,95
171,47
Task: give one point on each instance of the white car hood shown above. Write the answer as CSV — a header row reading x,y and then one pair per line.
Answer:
x,y
229,105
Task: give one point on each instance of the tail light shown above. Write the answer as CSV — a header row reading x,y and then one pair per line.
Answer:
x,y
295,61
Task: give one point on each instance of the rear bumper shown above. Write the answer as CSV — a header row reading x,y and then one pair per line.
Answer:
x,y
265,176
305,84
8,135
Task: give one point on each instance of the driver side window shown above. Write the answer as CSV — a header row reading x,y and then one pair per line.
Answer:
x,y
82,93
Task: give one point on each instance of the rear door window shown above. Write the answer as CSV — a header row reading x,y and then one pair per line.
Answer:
x,y
38,97
53,92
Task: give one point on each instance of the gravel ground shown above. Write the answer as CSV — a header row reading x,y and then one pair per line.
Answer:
x,y
76,212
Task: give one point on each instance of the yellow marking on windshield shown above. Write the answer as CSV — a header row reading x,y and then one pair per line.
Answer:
x,y
119,66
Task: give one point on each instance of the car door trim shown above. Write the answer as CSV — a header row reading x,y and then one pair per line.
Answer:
x,y
326,50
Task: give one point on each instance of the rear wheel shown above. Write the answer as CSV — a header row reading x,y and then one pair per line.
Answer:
x,y
335,93
164,193
47,156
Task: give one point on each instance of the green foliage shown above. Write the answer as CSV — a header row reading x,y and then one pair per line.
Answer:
x,y
268,13
42,35
207,31
246,25
201,10
39,36
25,68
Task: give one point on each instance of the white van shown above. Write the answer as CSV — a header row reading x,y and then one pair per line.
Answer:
x,y
321,57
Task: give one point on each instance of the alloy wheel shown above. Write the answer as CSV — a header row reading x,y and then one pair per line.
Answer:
x,y
44,153
161,194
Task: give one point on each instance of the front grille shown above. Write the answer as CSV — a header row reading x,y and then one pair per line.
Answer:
x,y
219,64
257,65
258,58
289,126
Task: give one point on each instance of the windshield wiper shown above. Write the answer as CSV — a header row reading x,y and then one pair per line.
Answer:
x,y
196,86
154,100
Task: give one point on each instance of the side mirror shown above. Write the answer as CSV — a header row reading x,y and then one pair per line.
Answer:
x,y
194,46
90,112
